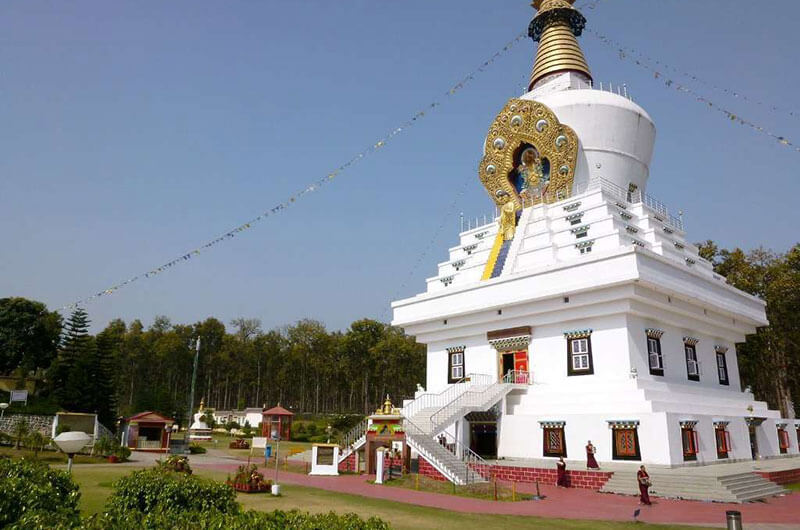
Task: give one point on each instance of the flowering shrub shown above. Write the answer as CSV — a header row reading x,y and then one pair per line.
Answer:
x,y
177,463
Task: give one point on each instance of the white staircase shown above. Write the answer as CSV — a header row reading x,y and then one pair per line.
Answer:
x,y
739,487
354,440
429,415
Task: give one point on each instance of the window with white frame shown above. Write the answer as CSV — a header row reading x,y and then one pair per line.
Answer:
x,y
455,364
656,361
579,353
722,365
692,366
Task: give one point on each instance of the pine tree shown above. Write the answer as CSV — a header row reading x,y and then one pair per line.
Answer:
x,y
68,370
103,377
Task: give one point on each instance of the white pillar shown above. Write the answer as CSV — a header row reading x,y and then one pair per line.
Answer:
x,y
379,461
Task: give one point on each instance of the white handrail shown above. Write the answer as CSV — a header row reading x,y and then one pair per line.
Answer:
x,y
438,400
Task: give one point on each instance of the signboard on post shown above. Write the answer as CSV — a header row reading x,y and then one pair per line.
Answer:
x,y
19,395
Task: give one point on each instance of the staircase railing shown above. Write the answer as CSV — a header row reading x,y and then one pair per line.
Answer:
x,y
462,464
431,400
474,462
518,377
442,417
355,434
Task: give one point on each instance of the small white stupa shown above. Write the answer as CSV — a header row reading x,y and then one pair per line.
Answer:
x,y
200,431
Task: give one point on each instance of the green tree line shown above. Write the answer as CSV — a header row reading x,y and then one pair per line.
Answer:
x,y
127,368
770,359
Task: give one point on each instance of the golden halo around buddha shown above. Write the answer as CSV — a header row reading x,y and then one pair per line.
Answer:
x,y
524,122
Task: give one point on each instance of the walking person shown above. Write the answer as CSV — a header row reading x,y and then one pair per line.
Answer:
x,y
561,473
644,484
591,463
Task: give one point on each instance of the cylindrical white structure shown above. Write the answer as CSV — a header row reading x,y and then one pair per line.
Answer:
x,y
616,135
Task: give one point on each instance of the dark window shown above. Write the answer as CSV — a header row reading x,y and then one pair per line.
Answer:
x,y
455,366
626,444
554,444
722,368
692,366
654,356
783,440
689,439
723,441
579,356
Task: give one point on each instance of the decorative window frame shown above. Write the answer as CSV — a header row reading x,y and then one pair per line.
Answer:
x,y
469,248
451,352
616,425
783,438
519,342
655,334
446,281
574,217
548,426
691,342
689,434
720,353
584,247
571,336
580,231
458,264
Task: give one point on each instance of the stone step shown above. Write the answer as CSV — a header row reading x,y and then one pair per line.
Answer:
x,y
741,487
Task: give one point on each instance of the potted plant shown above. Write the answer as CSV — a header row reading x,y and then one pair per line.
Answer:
x,y
249,480
239,443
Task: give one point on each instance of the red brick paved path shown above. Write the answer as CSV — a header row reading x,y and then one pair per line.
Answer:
x,y
570,503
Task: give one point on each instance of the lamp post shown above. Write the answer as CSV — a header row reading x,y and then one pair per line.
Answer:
x,y
329,429
3,407
191,393
70,443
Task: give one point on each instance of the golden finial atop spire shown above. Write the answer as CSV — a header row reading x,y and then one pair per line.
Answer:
x,y
555,28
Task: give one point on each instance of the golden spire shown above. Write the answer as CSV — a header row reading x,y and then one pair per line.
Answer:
x,y
555,28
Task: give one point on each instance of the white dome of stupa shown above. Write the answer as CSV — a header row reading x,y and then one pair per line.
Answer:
x,y
616,135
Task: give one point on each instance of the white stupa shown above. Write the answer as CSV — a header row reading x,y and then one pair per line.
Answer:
x,y
199,430
582,312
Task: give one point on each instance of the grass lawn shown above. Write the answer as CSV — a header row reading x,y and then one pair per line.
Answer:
x,y
792,487
50,457
477,491
95,483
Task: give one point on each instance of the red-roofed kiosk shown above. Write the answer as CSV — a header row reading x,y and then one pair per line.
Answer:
x,y
277,422
147,431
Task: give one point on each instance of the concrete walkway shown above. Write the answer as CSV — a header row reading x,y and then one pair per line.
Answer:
x,y
559,503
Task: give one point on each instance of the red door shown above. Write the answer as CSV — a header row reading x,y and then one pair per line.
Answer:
x,y
521,367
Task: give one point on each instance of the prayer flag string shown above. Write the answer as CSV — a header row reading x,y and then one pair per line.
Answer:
x,y
310,188
649,61
671,83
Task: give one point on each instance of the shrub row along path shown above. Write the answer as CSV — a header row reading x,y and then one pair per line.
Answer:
x,y
558,503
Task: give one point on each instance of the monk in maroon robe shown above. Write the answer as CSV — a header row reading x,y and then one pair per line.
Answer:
x,y
591,463
644,484
561,473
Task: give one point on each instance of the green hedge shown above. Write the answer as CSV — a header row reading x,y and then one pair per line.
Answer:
x,y
249,520
156,490
31,491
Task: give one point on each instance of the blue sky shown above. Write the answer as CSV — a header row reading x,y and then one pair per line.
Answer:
x,y
133,132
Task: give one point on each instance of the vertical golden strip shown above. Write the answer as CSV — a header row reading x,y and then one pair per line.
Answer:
x,y
498,242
